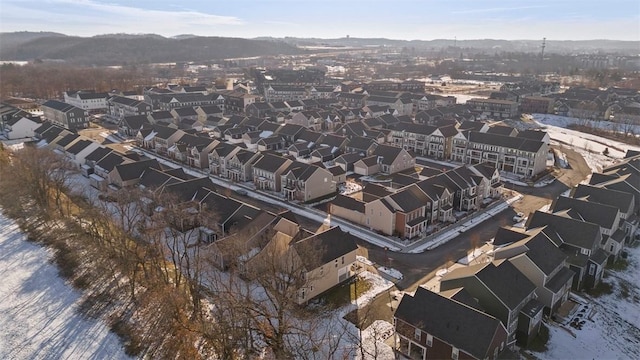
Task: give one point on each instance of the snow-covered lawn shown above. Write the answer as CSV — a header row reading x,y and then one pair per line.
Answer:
x,y
378,285
614,332
38,311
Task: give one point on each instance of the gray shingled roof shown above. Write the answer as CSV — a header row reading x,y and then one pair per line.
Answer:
x,y
504,280
325,247
451,321
505,141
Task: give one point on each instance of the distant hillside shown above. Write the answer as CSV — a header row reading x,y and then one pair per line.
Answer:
x,y
117,49
557,46
11,40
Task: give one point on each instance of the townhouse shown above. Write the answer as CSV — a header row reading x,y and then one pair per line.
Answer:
x,y
536,257
120,106
516,155
609,218
432,326
68,116
501,109
502,291
306,182
20,127
90,101
581,242
267,172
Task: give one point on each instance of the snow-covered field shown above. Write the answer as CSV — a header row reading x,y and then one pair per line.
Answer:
x,y
614,332
589,146
38,311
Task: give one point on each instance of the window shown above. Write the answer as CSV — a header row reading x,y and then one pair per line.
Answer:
x,y
454,353
417,333
592,269
429,340
343,260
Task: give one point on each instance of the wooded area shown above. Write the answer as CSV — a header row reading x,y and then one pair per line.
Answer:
x,y
140,270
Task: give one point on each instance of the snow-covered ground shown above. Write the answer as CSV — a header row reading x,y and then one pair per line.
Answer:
x,y
614,331
38,311
463,98
589,146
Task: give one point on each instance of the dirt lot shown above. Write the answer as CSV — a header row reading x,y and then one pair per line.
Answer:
x,y
535,198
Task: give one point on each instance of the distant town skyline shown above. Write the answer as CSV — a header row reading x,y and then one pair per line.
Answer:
x,y
399,19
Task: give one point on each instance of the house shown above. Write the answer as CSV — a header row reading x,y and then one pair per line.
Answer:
x,y
164,137
20,127
259,109
351,100
367,166
305,182
87,100
272,143
361,145
274,93
62,142
128,174
207,111
218,157
80,150
501,109
408,207
537,105
517,155
623,201
431,326
339,174
192,150
393,159
346,161
267,171
68,116
92,158
161,118
103,167
609,218
502,291
130,125
492,187
184,113
537,257
120,106
580,241
535,135
327,259
238,165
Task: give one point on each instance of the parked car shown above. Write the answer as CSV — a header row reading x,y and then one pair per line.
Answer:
x,y
242,192
519,217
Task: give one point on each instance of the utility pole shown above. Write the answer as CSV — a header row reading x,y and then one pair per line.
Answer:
x,y
544,40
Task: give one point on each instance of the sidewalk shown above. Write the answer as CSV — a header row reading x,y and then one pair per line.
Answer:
x,y
433,241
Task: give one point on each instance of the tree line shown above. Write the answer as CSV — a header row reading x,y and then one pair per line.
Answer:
x,y
140,264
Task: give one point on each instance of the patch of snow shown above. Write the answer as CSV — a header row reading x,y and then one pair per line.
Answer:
x,y
373,339
364,260
38,311
378,285
391,272
470,257
611,331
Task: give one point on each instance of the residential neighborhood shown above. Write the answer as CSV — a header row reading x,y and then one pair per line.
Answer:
x,y
340,203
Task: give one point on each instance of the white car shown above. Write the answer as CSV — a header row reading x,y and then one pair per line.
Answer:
x,y
519,217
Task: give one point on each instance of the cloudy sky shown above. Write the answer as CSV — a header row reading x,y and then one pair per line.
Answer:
x,y
398,19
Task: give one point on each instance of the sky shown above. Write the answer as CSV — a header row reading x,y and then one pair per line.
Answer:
x,y
397,19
